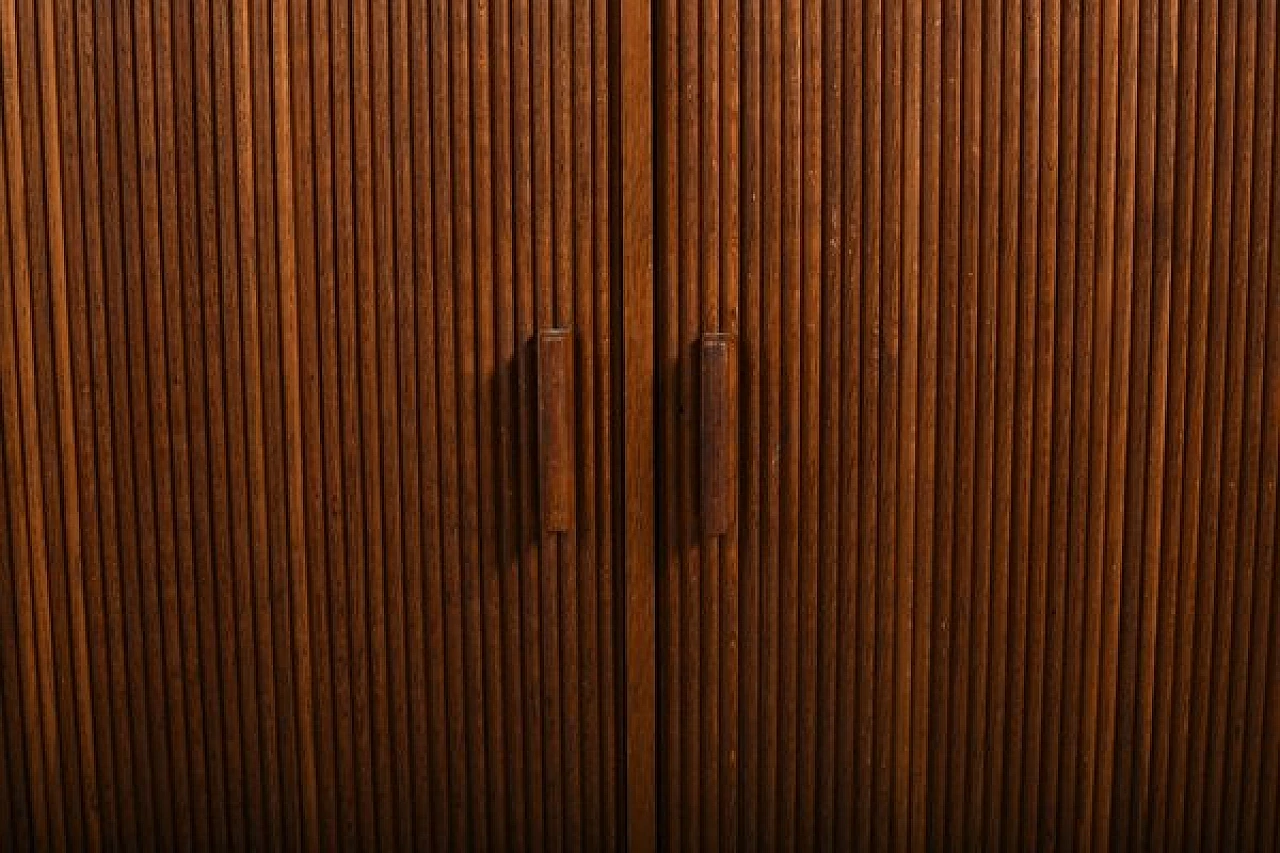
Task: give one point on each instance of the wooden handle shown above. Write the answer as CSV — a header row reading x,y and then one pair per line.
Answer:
x,y
719,433
555,428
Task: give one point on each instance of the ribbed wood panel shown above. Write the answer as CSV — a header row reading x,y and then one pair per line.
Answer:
x,y
1008,319
271,572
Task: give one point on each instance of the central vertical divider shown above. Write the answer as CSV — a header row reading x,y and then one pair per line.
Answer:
x,y
634,136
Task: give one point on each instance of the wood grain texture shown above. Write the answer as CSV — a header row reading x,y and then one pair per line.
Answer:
x,y
919,435
555,428
1004,574
632,126
272,568
719,433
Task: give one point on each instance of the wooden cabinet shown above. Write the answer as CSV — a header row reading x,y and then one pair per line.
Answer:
x,y
1001,280
655,425
284,565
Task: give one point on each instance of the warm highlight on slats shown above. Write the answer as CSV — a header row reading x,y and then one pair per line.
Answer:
x,y
1003,284
272,572
660,424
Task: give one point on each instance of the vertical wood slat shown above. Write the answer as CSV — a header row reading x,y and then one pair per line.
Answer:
x,y
1004,574
211,278
270,285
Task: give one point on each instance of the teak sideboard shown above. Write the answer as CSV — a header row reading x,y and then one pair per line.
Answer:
x,y
639,424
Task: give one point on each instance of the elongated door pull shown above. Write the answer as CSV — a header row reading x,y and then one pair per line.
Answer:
x,y
555,428
719,432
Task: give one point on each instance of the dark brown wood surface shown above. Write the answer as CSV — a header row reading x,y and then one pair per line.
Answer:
x,y
1005,282
634,138
719,431
272,568
969,543
555,428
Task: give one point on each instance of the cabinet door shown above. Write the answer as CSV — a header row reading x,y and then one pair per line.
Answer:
x,y
788,407
974,547
309,425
